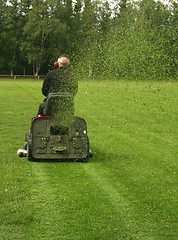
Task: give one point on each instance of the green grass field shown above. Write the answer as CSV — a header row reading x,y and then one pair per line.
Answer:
x,y
128,190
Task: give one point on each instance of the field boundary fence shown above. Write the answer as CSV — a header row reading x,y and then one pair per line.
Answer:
x,y
22,76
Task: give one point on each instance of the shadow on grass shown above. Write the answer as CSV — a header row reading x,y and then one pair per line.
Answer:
x,y
100,155
59,160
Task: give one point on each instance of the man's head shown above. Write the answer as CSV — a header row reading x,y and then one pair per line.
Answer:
x,y
62,62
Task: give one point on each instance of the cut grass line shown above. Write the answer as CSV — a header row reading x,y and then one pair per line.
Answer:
x,y
122,206
46,211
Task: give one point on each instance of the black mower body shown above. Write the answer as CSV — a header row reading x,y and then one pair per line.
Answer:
x,y
58,136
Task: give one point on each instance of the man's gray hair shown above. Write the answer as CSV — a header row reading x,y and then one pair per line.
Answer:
x,y
64,61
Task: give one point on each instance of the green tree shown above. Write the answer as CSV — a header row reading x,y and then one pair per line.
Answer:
x,y
43,34
137,41
2,36
171,40
12,32
133,40
93,23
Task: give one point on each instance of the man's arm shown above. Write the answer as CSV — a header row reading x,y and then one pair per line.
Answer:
x,y
72,83
45,87
75,87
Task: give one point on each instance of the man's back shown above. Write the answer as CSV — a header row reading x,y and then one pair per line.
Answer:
x,y
59,80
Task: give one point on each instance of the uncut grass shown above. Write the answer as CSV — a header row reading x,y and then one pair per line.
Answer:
x,y
127,191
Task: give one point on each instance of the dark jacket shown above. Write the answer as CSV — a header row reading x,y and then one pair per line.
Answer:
x,y
59,80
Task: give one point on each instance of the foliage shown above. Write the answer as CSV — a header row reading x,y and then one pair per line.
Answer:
x,y
133,39
41,27
135,46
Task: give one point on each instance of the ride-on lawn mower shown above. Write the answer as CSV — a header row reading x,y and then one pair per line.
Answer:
x,y
57,135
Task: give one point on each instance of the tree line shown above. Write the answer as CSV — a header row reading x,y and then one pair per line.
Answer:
x,y
133,40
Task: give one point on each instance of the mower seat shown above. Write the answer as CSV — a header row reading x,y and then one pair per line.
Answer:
x,y
59,104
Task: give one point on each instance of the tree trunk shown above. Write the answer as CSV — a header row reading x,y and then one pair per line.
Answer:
x,y
37,69
89,69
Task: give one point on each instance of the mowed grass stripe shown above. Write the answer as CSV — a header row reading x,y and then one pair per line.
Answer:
x,y
125,209
140,138
71,211
47,221
127,191
122,207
